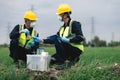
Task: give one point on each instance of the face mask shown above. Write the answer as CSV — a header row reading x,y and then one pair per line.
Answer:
x,y
60,18
33,24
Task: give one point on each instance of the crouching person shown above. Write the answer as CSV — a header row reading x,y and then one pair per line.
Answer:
x,y
68,41
24,39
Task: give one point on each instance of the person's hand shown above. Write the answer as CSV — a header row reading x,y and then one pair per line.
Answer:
x,y
31,44
66,40
25,31
36,39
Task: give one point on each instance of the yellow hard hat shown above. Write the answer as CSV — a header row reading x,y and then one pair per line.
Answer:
x,y
63,8
30,15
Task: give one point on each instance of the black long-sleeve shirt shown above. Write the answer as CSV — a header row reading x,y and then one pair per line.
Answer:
x,y
15,32
76,29
14,35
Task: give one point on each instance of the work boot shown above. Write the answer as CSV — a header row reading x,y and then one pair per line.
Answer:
x,y
60,67
53,61
16,62
73,62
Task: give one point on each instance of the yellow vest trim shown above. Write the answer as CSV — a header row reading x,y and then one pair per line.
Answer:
x,y
25,39
66,32
79,46
22,38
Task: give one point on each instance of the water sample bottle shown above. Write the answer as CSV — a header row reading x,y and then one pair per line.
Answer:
x,y
44,61
40,50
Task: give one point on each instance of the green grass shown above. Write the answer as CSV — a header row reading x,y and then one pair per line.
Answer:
x,y
104,55
95,64
4,58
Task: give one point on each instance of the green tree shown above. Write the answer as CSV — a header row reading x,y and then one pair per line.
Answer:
x,y
96,42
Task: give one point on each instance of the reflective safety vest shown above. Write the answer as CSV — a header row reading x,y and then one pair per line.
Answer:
x,y
67,32
25,39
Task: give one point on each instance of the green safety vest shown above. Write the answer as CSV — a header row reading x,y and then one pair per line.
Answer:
x,y
67,32
25,39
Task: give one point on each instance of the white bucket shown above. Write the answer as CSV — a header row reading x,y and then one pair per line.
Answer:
x,y
38,62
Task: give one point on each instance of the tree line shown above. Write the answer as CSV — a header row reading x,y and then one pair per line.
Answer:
x,y
95,42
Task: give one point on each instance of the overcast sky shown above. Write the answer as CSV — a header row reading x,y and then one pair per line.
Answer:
x,y
106,14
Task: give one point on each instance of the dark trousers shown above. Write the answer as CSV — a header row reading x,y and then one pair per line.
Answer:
x,y
18,53
65,51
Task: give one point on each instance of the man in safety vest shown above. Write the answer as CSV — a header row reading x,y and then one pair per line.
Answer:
x,y
24,39
69,43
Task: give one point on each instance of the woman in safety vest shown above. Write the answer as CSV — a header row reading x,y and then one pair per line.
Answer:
x,y
68,44
24,39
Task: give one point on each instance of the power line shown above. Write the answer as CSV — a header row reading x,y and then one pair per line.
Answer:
x,y
32,8
92,28
113,36
7,32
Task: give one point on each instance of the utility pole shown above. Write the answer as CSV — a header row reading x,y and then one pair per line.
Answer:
x,y
92,28
113,36
32,8
8,32
92,32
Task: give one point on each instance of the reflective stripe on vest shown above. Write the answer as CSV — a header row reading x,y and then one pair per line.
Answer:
x,y
67,32
25,39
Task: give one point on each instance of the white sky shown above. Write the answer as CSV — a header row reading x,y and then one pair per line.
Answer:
x,y
106,14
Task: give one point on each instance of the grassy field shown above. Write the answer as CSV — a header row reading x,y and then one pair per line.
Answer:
x,y
94,64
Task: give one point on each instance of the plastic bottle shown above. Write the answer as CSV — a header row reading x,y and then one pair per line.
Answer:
x,y
44,61
40,50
